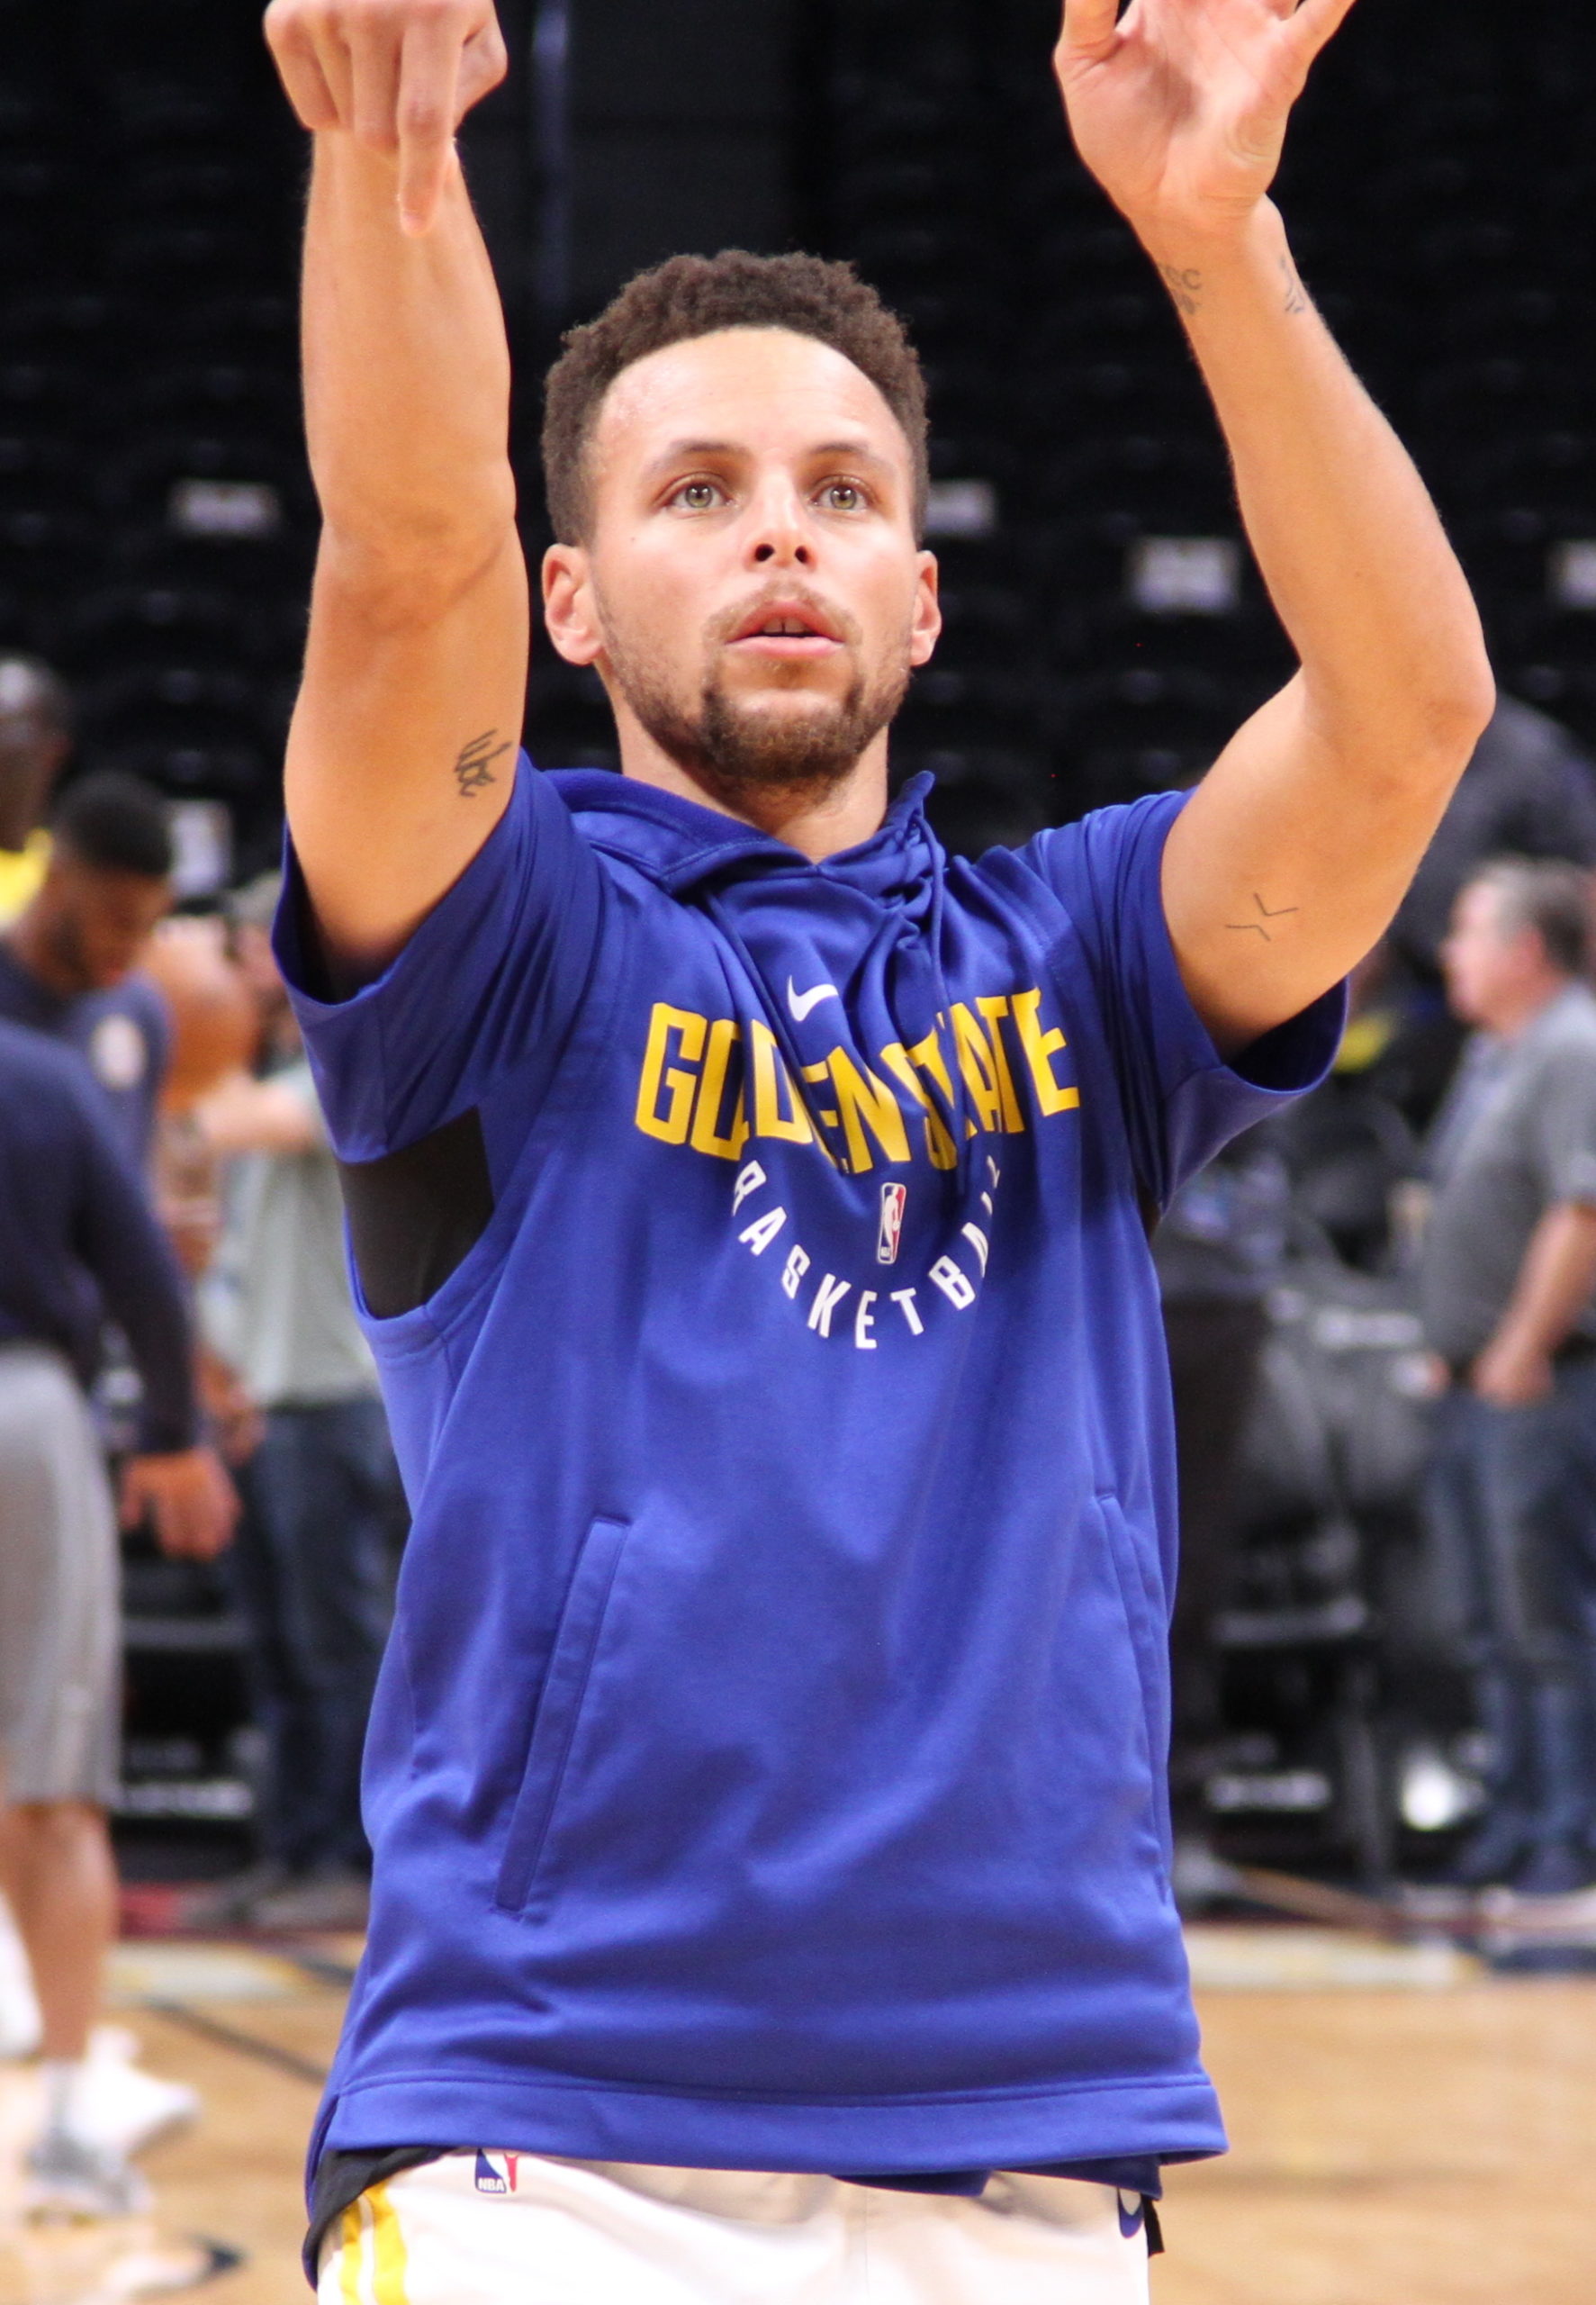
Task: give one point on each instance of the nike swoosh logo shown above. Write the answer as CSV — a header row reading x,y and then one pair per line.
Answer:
x,y
801,1003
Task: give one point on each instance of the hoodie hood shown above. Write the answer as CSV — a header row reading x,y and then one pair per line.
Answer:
x,y
868,969
679,843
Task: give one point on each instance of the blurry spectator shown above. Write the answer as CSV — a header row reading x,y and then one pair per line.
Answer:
x,y
1529,790
1218,1249
35,738
69,965
1507,1279
77,1238
215,1017
314,1554
215,1030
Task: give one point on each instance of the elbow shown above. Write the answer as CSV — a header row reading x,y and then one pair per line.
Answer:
x,y
1464,713
1443,723
411,576
1461,696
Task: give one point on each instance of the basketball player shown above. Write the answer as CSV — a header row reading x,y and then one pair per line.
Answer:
x,y
765,1779
70,964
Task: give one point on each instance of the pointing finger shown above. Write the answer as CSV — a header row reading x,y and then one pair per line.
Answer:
x,y
427,115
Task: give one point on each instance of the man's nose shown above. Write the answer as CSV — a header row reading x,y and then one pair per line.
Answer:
x,y
778,535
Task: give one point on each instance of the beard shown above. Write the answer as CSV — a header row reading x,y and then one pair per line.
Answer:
x,y
739,750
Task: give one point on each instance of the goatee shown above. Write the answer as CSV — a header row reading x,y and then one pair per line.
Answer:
x,y
739,752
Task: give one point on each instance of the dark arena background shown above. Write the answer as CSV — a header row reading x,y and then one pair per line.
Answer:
x,y
1410,2098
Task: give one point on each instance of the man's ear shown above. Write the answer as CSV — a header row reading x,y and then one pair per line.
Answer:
x,y
569,610
928,615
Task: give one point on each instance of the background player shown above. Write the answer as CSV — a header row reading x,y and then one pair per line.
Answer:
x,y
70,964
79,1237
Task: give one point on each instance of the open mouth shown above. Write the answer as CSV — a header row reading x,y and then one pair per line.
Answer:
x,y
787,630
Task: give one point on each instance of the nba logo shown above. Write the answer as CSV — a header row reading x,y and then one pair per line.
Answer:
x,y
489,2176
894,1200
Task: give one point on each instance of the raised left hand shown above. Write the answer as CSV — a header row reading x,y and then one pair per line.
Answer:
x,y
1178,107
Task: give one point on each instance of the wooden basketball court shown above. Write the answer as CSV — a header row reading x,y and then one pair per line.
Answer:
x,y
1408,2129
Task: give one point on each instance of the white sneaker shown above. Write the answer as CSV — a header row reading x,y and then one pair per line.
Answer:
x,y
118,2108
68,2181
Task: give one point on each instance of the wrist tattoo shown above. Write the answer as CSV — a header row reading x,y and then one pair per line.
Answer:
x,y
473,768
1259,928
1185,287
1296,295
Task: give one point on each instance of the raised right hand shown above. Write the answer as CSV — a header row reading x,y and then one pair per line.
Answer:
x,y
400,74
1178,107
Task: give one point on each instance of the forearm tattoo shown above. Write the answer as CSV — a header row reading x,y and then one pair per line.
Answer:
x,y
473,769
1259,928
1185,287
1296,295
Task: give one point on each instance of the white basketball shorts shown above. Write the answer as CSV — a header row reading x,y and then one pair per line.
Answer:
x,y
487,2229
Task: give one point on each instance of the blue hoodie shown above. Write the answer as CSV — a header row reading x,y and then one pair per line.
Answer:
x,y
767,1766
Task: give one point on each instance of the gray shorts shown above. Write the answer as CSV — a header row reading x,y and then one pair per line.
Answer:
x,y
60,1656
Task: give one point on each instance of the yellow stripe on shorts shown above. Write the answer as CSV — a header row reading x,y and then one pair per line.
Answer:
x,y
388,2288
350,2250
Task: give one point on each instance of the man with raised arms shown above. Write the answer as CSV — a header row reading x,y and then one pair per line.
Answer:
x,y
765,1779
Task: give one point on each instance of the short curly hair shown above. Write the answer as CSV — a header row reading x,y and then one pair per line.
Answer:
x,y
691,296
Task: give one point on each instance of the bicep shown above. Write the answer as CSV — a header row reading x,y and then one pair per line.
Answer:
x,y
403,750
1286,866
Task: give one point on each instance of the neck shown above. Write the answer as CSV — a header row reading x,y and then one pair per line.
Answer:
x,y
817,822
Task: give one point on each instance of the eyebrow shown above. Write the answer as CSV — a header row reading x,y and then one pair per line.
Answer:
x,y
686,451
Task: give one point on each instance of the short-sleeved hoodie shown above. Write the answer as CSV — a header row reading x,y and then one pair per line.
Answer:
x,y
767,1766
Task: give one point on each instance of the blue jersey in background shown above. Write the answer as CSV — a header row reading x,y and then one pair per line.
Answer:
x,y
124,1034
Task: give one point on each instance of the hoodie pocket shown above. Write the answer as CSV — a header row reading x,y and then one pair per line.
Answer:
x,y
1149,1643
559,1710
